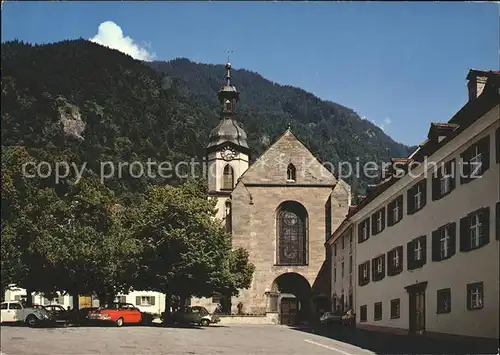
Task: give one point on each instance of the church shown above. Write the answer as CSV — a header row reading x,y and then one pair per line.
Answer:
x,y
281,209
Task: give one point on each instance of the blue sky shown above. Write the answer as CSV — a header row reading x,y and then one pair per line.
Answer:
x,y
401,65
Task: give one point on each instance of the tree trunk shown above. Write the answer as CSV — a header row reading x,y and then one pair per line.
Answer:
x,y
29,298
182,301
76,303
166,315
102,298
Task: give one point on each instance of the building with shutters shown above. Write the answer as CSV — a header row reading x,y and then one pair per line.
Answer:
x,y
146,301
427,236
341,251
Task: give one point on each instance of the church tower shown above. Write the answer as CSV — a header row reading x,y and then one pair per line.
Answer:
x,y
227,151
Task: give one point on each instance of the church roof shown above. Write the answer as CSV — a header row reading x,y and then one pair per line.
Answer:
x,y
271,167
228,130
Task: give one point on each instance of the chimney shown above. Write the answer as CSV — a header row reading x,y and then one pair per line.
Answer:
x,y
477,80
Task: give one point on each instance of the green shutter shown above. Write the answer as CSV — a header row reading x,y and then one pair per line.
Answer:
x,y
453,238
464,233
138,300
436,245
153,299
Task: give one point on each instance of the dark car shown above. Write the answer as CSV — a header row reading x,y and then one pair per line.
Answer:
x,y
194,315
58,313
80,316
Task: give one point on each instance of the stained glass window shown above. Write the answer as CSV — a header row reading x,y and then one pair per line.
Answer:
x,y
291,235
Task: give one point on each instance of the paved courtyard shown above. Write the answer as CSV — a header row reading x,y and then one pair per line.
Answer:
x,y
230,340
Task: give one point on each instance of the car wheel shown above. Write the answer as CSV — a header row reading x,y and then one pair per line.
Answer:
x,y
32,321
119,322
205,322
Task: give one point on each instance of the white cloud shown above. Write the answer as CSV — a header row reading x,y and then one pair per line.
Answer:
x,y
387,121
111,35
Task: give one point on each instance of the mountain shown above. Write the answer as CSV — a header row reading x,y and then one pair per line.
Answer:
x,y
334,132
93,104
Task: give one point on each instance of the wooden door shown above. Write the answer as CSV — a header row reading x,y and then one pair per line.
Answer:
x,y
417,312
288,311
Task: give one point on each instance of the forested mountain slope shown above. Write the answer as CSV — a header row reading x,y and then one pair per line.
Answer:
x,y
334,132
80,100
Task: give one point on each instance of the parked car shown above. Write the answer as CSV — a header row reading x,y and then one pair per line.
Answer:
x,y
330,318
117,313
195,315
80,316
349,318
59,313
15,311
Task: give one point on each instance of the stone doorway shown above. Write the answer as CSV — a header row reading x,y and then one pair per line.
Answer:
x,y
290,296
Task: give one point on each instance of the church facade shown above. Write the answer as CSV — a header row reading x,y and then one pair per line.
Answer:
x,y
281,209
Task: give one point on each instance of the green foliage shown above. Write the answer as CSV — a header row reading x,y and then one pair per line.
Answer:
x,y
163,111
81,103
62,239
186,251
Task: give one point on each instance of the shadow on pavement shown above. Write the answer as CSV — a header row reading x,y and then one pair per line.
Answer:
x,y
386,343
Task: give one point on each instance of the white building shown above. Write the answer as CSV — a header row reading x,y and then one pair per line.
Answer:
x,y
146,301
427,247
341,251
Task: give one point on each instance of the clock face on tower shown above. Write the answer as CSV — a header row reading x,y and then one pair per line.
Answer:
x,y
228,153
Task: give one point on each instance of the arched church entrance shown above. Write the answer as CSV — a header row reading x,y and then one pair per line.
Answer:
x,y
292,298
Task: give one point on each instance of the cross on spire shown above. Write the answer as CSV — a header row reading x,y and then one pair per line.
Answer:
x,y
228,52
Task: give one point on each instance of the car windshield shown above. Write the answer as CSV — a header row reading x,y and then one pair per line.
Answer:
x,y
109,306
201,310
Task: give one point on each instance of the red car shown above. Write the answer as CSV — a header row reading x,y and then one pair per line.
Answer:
x,y
117,313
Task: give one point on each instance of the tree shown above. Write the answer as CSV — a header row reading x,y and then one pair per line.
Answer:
x,y
63,237
186,251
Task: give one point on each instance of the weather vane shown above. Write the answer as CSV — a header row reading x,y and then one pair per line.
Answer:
x,y
228,52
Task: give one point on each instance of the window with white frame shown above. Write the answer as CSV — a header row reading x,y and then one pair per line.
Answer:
x,y
379,221
417,198
396,212
475,231
334,274
363,230
363,273
145,300
444,301
121,299
445,184
378,268
475,295
476,161
417,250
395,260
444,243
